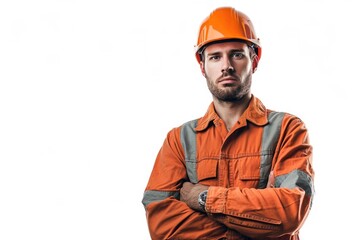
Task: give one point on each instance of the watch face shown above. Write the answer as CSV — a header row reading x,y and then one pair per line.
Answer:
x,y
202,198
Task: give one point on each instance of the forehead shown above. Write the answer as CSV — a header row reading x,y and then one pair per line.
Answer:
x,y
226,47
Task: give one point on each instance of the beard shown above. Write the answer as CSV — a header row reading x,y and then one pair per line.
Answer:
x,y
229,93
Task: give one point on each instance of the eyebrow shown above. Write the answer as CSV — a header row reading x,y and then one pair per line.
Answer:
x,y
231,51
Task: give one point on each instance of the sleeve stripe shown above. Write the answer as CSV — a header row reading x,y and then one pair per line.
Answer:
x,y
296,178
155,196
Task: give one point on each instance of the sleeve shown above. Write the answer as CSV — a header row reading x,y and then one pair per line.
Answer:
x,y
271,212
167,216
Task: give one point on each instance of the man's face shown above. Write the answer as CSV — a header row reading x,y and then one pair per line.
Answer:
x,y
227,67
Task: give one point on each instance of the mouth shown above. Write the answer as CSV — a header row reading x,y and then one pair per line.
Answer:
x,y
227,80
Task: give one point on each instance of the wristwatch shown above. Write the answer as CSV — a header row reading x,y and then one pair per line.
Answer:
x,y
202,199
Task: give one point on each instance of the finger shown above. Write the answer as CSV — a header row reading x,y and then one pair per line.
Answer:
x,y
271,180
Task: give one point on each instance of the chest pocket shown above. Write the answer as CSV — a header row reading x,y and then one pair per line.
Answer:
x,y
207,171
251,171
269,140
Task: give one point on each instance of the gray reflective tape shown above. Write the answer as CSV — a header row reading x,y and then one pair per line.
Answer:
x,y
188,141
269,141
296,178
155,196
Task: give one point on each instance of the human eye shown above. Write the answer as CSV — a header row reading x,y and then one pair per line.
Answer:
x,y
237,55
214,57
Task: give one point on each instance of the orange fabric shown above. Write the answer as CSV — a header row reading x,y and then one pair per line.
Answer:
x,y
229,163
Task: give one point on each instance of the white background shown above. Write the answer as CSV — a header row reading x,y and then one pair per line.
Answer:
x,y
89,89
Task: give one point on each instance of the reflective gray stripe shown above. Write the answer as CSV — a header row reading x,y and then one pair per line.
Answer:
x,y
269,141
296,178
188,141
154,196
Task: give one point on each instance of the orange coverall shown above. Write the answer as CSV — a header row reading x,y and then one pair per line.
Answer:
x,y
236,165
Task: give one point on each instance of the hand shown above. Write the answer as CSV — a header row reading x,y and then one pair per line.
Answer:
x,y
271,180
189,194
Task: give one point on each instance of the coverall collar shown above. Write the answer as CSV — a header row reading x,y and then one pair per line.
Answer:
x,y
255,113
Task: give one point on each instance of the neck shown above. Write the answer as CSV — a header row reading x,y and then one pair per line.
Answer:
x,y
230,112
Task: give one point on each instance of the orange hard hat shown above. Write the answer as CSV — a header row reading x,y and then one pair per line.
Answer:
x,y
226,23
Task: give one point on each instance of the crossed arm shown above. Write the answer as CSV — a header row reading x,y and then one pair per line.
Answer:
x,y
189,193
173,211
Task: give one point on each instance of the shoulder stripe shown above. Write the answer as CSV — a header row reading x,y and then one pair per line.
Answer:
x,y
188,141
269,141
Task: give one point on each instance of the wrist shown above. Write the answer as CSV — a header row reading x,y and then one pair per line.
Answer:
x,y
202,200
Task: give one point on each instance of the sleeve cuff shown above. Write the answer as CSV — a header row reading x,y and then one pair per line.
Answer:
x,y
216,200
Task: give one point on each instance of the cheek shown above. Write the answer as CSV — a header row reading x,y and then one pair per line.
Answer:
x,y
212,69
210,75
245,69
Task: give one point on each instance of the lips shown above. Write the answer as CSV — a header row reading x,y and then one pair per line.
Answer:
x,y
227,80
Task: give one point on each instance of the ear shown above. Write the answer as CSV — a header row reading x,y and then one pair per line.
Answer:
x,y
255,61
202,67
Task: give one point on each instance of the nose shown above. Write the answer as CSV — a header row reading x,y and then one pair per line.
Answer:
x,y
229,69
227,66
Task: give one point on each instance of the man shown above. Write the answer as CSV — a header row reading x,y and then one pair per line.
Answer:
x,y
241,171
